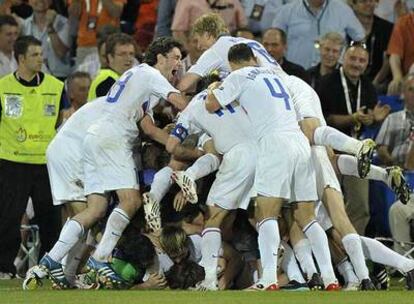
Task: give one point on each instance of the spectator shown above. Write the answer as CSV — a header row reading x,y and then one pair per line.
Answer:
x,y
330,49
395,147
244,32
53,31
401,51
391,10
145,24
305,21
261,13
30,105
92,15
378,32
77,88
274,40
97,60
349,100
165,15
120,52
8,34
187,11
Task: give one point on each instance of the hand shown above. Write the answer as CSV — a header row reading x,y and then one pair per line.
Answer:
x,y
214,85
179,201
50,17
381,112
394,88
156,281
365,119
168,128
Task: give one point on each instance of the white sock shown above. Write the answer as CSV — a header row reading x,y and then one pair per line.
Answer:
x,y
353,247
210,248
303,252
347,271
268,245
328,136
73,259
290,265
116,224
71,232
379,253
161,183
203,166
320,249
348,165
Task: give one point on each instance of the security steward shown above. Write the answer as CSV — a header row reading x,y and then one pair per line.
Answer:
x,y
30,104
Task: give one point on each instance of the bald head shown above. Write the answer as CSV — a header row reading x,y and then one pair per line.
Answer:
x,y
274,40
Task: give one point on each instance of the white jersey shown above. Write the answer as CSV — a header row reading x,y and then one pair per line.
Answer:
x,y
130,97
79,122
263,95
305,99
215,58
228,127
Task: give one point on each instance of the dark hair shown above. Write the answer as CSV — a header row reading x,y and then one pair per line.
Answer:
x,y
7,20
205,81
240,52
104,32
161,45
117,39
22,44
77,74
137,250
184,275
281,33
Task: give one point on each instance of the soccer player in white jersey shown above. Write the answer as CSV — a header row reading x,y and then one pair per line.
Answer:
x,y
213,38
232,134
284,169
107,156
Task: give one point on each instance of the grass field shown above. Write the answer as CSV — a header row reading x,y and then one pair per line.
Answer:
x,y
10,292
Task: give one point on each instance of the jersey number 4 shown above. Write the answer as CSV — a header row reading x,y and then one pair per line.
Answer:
x,y
282,92
117,88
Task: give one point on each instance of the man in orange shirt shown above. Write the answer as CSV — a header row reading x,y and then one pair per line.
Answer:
x,y
92,14
401,51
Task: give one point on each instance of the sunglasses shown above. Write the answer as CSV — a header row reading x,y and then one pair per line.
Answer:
x,y
358,44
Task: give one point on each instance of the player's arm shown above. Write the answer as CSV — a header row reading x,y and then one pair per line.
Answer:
x,y
220,95
177,100
212,104
188,82
176,149
149,128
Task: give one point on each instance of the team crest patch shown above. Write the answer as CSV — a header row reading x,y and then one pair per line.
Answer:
x,y
13,106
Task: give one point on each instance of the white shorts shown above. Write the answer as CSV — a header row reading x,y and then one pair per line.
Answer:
x,y
108,159
284,168
322,216
234,179
65,167
325,173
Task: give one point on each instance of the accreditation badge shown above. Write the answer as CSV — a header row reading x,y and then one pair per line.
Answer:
x,y
13,106
49,110
257,12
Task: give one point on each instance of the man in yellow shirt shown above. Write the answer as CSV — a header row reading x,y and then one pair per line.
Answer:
x,y
30,102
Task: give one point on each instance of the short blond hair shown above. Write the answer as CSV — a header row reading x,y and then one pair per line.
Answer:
x,y
211,24
334,37
173,240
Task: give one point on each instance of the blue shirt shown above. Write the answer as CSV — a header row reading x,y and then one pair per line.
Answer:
x,y
303,28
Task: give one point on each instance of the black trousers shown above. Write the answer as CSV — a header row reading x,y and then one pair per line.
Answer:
x,y
18,182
